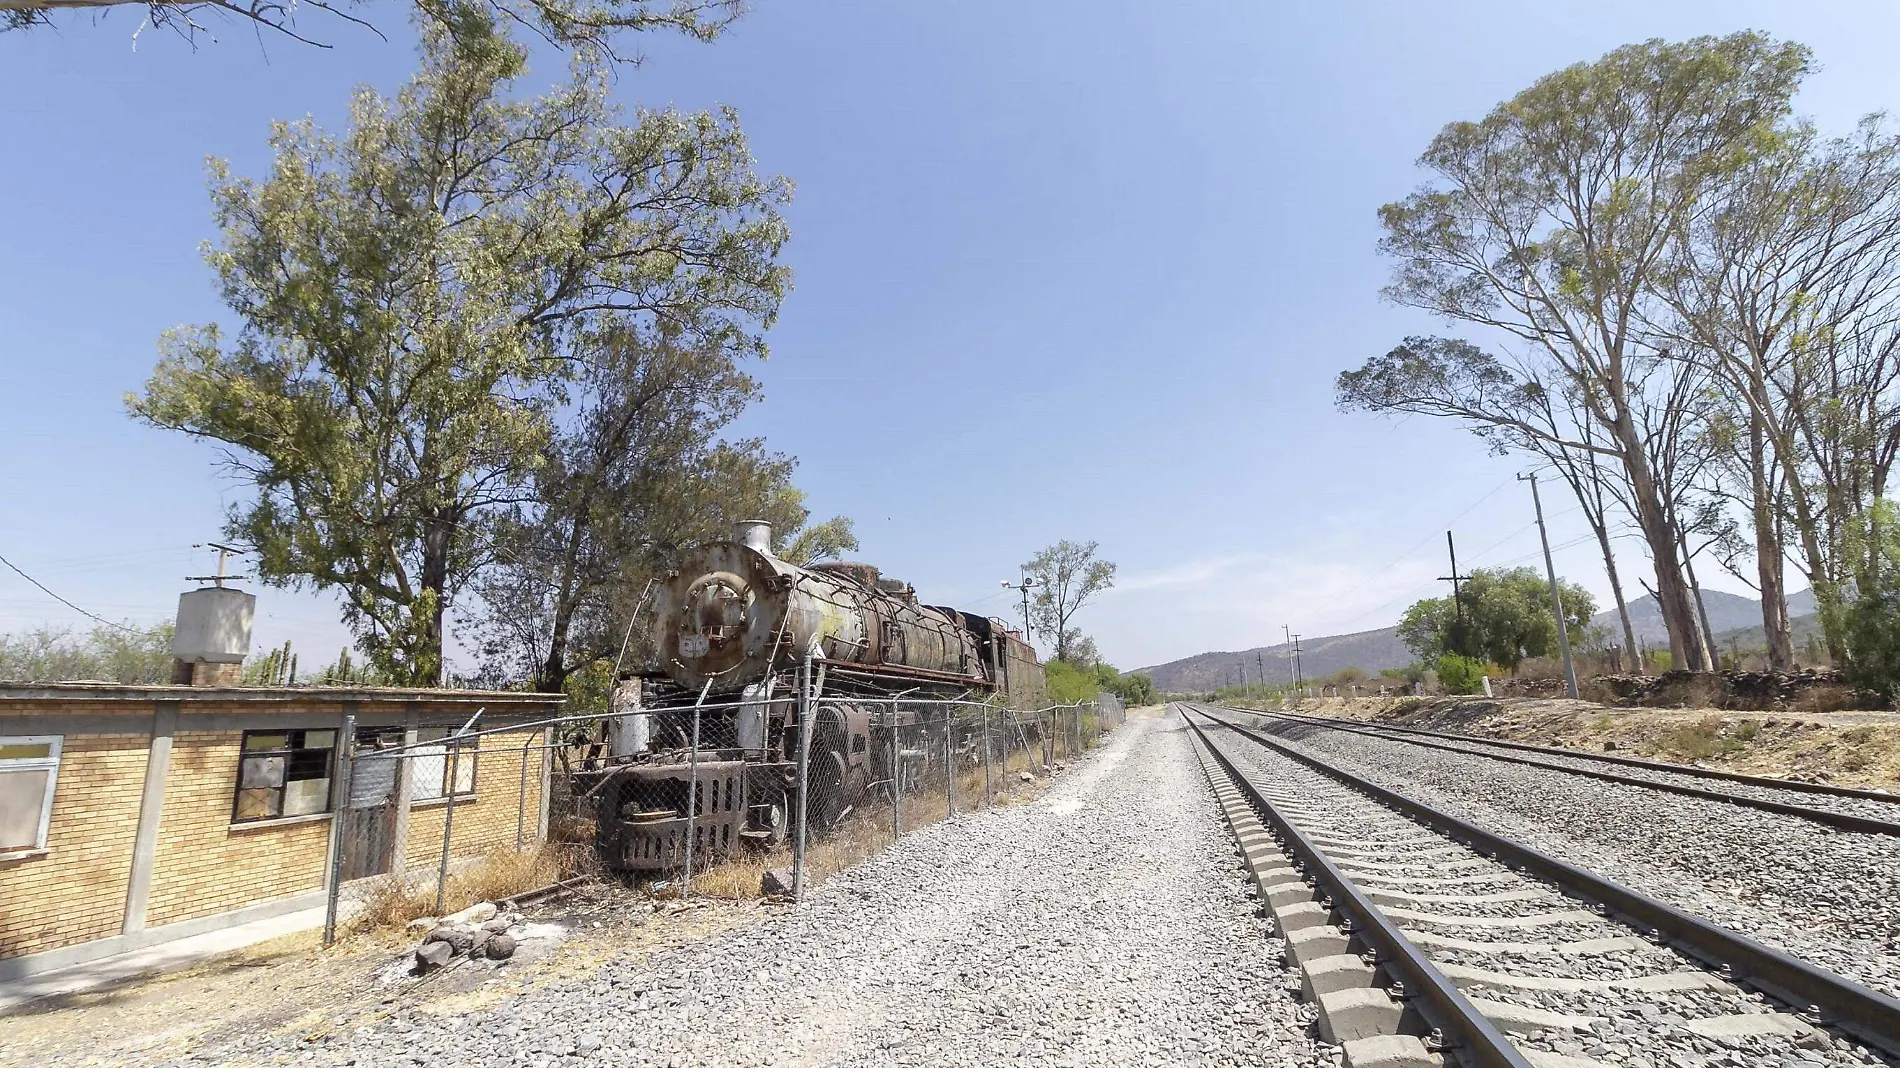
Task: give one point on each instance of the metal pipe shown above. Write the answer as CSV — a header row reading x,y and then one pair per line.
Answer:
x,y
949,769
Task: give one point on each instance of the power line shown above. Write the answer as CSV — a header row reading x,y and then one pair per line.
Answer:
x,y
16,570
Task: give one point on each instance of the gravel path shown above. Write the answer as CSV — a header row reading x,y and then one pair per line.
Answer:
x,y
1829,897
1104,924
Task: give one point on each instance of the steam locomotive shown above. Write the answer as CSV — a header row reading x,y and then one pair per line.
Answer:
x,y
734,626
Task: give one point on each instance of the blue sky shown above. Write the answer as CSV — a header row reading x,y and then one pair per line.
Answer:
x,y
1079,270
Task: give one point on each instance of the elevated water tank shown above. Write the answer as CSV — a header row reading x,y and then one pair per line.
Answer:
x,y
214,626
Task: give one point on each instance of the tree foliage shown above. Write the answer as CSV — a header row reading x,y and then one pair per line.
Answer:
x,y
1548,225
137,656
1506,618
594,24
417,296
1067,575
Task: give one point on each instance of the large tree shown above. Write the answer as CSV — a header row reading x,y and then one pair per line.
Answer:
x,y
1067,575
1785,287
594,24
416,294
1500,615
1547,223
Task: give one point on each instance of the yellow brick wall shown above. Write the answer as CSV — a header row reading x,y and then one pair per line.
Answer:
x,y
488,820
203,865
76,892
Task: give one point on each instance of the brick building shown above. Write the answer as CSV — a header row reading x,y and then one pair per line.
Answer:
x,y
132,815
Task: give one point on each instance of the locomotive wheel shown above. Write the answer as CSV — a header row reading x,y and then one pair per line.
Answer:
x,y
828,803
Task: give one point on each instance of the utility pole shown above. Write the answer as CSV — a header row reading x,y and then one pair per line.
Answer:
x,y
1025,586
1457,599
1287,630
225,552
1299,676
1260,664
1556,599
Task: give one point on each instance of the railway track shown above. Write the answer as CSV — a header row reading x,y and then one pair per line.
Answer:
x,y
1846,808
1423,939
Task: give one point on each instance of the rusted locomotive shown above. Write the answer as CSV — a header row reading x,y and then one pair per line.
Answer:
x,y
734,627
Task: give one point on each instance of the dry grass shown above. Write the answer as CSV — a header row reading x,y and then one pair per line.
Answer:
x,y
500,873
868,831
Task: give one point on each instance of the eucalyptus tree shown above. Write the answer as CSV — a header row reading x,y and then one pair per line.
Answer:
x,y
413,297
1067,576
1787,286
636,472
595,24
1546,223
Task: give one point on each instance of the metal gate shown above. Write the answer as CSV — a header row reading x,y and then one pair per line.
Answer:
x,y
368,840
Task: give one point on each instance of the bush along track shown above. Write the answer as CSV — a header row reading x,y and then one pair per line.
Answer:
x,y
1422,938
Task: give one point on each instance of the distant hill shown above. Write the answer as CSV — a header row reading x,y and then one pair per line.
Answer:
x,y
1371,651
1728,614
1736,619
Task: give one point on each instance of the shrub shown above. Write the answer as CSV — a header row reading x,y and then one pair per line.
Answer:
x,y
1460,674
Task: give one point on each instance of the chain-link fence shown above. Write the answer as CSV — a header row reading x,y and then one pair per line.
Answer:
x,y
766,793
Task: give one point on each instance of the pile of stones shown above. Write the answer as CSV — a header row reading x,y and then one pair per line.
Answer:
x,y
478,932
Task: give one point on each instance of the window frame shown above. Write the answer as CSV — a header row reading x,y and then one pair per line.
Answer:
x,y
426,748
49,763
287,751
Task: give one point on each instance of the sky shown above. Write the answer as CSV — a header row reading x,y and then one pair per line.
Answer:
x,y
1061,270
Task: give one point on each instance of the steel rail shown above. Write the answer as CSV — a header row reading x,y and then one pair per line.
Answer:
x,y
1844,820
1479,1042
1792,785
1870,1015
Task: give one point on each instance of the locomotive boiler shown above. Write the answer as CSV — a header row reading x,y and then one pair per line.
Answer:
x,y
733,627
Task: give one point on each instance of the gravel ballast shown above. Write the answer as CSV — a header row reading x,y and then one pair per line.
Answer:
x,y
1829,897
1105,923
1616,1025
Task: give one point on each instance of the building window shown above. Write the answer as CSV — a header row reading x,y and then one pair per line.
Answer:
x,y
284,773
431,764
28,768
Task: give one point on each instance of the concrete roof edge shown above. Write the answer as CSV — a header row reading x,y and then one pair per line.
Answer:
x,y
112,691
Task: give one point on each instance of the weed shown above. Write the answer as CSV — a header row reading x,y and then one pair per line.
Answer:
x,y
1701,740
1746,730
392,901
1857,735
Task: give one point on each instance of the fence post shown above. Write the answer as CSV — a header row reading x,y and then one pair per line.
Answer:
x,y
448,810
804,775
346,748
897,778
521,798
949,767
692,796
989,776
448,825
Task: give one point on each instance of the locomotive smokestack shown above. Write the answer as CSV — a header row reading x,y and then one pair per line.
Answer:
x,y
754,534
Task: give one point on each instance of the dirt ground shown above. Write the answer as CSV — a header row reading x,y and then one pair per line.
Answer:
x,y
293,989
1848,748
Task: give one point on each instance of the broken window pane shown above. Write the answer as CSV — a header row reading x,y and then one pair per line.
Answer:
x,y
258,804
258,772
